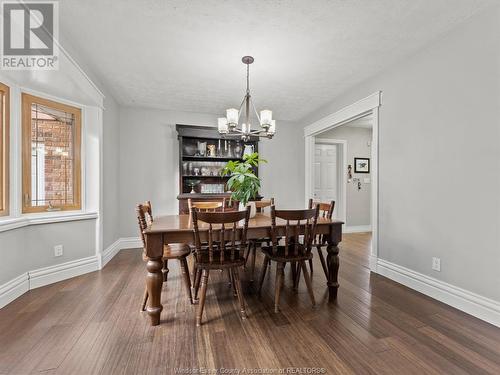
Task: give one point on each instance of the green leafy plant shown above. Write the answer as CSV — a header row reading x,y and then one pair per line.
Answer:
x,y
243,183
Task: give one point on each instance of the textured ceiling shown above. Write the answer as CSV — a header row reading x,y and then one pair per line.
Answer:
x,y
186,55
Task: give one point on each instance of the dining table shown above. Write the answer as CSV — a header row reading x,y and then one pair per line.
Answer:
x,y
168,229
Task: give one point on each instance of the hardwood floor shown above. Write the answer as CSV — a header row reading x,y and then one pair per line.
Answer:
x,y
91,324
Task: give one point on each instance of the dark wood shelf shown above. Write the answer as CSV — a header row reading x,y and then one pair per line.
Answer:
x,y
189,138
208,158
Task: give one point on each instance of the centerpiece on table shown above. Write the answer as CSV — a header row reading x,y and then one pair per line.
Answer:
x,y
243,183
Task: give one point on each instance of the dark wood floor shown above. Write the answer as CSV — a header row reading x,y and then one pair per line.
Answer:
x,y
91,324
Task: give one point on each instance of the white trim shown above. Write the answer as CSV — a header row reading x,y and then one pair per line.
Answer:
x,y
110,252
474,304
53,274
82,72
341,204
44,218
119,244
375,187
363,107
309,168
349,113
13,289
357,229
16,287
372,263
131,243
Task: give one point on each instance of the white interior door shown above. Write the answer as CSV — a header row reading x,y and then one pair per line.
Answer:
x,y
325,172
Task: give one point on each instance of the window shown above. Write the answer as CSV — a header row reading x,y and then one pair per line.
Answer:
x,y
4,149
51,155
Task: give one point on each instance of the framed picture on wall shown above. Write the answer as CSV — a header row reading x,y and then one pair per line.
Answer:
x,y
361,165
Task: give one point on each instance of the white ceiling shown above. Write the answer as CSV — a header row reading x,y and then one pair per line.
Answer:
x,y
185,55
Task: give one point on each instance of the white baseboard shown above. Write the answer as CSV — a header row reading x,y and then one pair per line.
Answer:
x,y
373,263
110,252
464,300
14,288
52,274
357,229
119,244
131,243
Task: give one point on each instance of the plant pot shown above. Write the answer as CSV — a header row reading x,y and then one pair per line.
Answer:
x,y
253,208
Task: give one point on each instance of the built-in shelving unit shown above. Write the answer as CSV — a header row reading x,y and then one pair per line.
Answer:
x,y
203,153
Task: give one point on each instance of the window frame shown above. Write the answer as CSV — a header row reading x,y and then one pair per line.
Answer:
x,y
26,102
5,150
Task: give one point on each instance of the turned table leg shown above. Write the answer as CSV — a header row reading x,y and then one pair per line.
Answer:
x,y
332,261
154,281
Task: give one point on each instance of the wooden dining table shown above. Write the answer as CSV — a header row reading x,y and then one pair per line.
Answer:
x,y
169,229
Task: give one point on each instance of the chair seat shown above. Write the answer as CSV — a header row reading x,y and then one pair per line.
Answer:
x,y
173,251
203,260
280,255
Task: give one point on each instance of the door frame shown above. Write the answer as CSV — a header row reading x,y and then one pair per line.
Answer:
x,y
340,204
361,108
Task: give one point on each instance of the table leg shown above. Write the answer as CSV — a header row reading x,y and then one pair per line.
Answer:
x,y
332,261
154,281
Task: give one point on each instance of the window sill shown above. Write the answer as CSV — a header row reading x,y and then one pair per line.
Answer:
x,y
44,218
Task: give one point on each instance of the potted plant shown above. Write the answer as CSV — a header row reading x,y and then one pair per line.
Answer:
x,y
243,183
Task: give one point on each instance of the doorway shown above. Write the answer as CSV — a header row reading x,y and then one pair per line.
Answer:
x,y
367,108
352,177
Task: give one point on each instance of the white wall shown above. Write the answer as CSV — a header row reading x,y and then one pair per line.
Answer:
x,y
27,248
440,156
32,247
149,162
110,148
111,172
358,212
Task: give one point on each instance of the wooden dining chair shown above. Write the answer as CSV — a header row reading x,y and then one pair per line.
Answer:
x,y
253,244
207,206
325,211
223,250
296,248
177,251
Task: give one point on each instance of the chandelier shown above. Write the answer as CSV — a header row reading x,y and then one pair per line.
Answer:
x,y
229,125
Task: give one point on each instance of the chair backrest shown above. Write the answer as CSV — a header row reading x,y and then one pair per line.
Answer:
x,y
145,218
325,209
295,220
260,205
207,206
222,230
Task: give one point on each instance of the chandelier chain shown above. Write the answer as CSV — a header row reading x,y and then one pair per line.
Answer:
x,y
248,78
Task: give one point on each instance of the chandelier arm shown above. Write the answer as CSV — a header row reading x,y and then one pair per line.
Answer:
x,y
241,106
255,110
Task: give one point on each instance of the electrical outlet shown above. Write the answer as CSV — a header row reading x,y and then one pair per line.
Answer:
x,y
436,264
58,250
